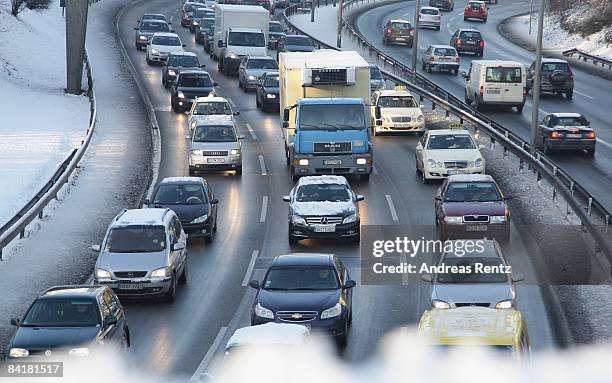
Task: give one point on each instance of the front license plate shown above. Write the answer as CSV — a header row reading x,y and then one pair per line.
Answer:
x,y
399,38
456,171
325,228
493,91
332,162
215,160
476,228
131,286
574,136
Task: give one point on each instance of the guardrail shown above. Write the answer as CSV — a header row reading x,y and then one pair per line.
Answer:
x,y
34,208
581,202
585,56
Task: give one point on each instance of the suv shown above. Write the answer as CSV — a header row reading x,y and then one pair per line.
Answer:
x,y
70,321
468,40
566,131
267,92
441,57
143,253
447,5
178,61
475,10
398,31
215,145
555,77
204,29
189,85
275,33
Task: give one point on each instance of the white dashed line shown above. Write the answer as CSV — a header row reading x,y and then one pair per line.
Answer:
x,y
374,170
249,272
264,209
252,132
584,95
231,102
391,207
263,165
209,354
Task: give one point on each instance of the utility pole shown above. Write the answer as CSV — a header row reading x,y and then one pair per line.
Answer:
x,y
535,104
415,40
530,14
76,27
339,38
312,7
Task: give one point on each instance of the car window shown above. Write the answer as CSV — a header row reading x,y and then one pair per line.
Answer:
x,y
262,64
297,40
472,192
105,306
166,40
470,35
63,313
375,73
450,141
551,67
177,227
445,52
271,81
301,278
136,239
322,192
247,39
194,80
475,5
180,194
568,121
214,133
429,11
183,61
209,108
396,25
341,270
397,102
277,28
154,27
504,75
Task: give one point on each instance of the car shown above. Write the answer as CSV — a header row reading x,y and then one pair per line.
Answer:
x,y
209,41
495,82
204,109
398,31
494,289
177,62
204,29
468,40
472,206
447,5
187,12
161,45
315,290
269,335
294,43
267,91
442,58
189,85
430,17
215,146
556,77
143,254
70,321
275,33
566,131
399,112
444,152
146,29
377,82
252,68
198,16
475,10
193,200
152,16
323,207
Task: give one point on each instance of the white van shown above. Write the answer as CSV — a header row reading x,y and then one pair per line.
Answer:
x,y
495,82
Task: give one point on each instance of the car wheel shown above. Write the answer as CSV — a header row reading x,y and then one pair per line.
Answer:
x,y
240,84
294,175
477,104
422,65
465,18
257,103
374,132
264,108
350,318
591,152
569,94
171,294
428,68
410,45
356,239
456,72
208,238
519,108
239,170
191,170
484,20
341,341
480,53
149,61
183,278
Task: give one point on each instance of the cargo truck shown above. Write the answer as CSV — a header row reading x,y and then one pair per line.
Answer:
x,y
323,97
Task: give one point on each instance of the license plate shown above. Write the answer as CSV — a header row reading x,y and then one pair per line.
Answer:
x,y
215,160
493,91
399,38
131,286
332,162
471,42
456,171
476,228
574,135
325,228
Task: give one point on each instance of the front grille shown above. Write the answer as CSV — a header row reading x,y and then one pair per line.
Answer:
x,y
214,152
475,218
130,274
296,316
479,304
401,119
455,164
327,220
332,147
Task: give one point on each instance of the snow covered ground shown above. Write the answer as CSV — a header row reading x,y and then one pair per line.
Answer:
x,y
39,123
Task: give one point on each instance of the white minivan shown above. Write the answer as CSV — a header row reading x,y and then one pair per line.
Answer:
x,y
495,82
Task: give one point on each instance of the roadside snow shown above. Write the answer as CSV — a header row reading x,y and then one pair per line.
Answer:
x,y
40,123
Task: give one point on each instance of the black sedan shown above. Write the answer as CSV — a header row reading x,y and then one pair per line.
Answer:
x,y
177,62
566,131
314,290
203,29
275,33
266,93
188,86
70,321
192,200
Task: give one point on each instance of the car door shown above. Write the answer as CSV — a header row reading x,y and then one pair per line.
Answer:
x,y
118,335
343,276
181,239
438,201
108,332
542,128
453,40
421,144
174,259
213,207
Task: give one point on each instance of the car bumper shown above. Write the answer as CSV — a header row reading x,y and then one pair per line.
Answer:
x,y
438,174
347,230
413,126
444,65
429,24
329,164
197,229
476,230
468,48
221,163
335,327
137,287
474,16
569,144
400,39
559,88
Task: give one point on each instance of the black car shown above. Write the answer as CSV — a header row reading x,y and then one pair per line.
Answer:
x,y
189,85
566,131
203,29
266,93
177,62
145,30
275,33
295,43
308,289
323,207
192,200
555,77
200,14
70,321
468,40
208,42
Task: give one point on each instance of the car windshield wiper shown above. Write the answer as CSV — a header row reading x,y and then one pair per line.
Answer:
x,y
346,126
320,126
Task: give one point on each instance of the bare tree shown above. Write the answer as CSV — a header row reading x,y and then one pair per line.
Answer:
x,y
17,6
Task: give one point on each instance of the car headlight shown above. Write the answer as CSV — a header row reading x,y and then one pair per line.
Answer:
x,y
171,73
234,152
270,95
263,312
478,162
195,23
332,312
440,304
359,143
193,124
141,37
101,273
431,163
362,161
504,304
200,219
252,78
298,220
420,118
231,55
154,51
79,351
350,218
18,353
451,219
303,162
160,273
180,95
497,218
196,152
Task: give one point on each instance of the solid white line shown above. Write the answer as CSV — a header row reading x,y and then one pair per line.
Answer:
x,y
604,143
391,207
263,165
209,354
232,103
252,132
585,95
264,209
249,271
374,170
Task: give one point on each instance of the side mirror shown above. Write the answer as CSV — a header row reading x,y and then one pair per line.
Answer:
x,y
177,246
419,146
359,197
146,202
377,112
286,198
349,284
518,278
427,277
95,248
110,320
215,83
214,201
508,196
438,197
286,115
236,113
254,284
241,137
15,321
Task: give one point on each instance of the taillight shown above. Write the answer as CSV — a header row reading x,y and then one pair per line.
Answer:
x,y
590,135
556,135
457,59
481,91
525,92
482,43
458,41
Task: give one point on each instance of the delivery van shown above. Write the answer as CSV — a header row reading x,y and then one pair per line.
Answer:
x,y
495,82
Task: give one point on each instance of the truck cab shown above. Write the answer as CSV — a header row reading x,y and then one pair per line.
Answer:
x,y
239,43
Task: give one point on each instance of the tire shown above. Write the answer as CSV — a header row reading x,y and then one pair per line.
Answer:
x,y
294,176
484,20
239,170
149,61
356,239
191,171
165,83
171,294
240,85
438,28
456,72
480,53
428,68
183,279
569,94
410,45
477,104
465,18
519,108
591,152
364,177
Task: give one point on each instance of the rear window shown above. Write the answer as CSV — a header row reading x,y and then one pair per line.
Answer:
x,y
167,40
154,27
445,52
397,25
504,75
297,40
277,28
183,61
271,81
569,121
551,67
262,64
475,5
397,102
136,239
429,11
470,35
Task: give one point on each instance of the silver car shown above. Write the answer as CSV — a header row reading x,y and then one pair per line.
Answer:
x,y
143,253
215,146
252,68
493,289
442,58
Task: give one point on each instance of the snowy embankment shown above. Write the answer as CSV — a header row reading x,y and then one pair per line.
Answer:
x,y
39,124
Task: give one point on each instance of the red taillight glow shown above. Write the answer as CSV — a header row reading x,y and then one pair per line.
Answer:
x,y
458,41
590,135
556,135
481,43
481,91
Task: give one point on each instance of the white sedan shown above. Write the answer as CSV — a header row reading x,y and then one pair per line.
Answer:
x,y
160,46
399,112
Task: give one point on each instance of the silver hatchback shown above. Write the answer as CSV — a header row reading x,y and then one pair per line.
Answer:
x,y
441,57
215,145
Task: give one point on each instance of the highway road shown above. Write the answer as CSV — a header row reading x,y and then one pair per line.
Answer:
x,y
591,96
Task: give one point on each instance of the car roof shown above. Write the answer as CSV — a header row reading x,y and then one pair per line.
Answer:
x,y
470,178
325,179
211,99
476,1
182,180
183,53
73,291
193,71
441,46
566,114
215,120
489,251
444,132
266,57
300,36
554,60
331,101
468,30
166,34
148,217
393,92
303,259
156,21
269,334
400,21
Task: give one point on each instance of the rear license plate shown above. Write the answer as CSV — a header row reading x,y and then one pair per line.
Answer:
x,y
493,91
471,42
325,228
574,136
131,286
332,162
215,160
476,228
456,171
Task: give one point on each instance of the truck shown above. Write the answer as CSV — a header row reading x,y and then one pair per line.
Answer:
x,y
324,97
240,30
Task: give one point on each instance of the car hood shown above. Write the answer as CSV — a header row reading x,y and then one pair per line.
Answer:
x,y
33,338
298,48
195,92
400,112
180,68
187,212
256,72
325,208
473,293
214,146
479,208
298,300
441,155
132,261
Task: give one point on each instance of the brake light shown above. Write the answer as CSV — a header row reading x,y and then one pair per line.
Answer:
x,y
389,31
556,135
482,43
481,91
590,135
458,41
457,59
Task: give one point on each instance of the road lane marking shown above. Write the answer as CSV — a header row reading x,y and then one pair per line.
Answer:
x,y
252,132
249,272
604,143
264,209
391,207
585,95
263,165
162,108
374,170
231,102
209,354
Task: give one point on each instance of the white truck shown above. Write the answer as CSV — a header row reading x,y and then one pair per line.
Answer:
x,y
240,30
495,82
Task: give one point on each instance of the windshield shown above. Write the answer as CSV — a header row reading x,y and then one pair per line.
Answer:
x,y
397,102
375,73
322,192
445,52
401,25
200,13
472,192
473,276
63,313
183,61
136,239
207,23
569,121
180,194
215,133
208,108
470,35
167,40
271,81
297,40
504,75
194,80
247,39
301,278
154,27
277,28
262,64
475,5
450,141
428,11
335,117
